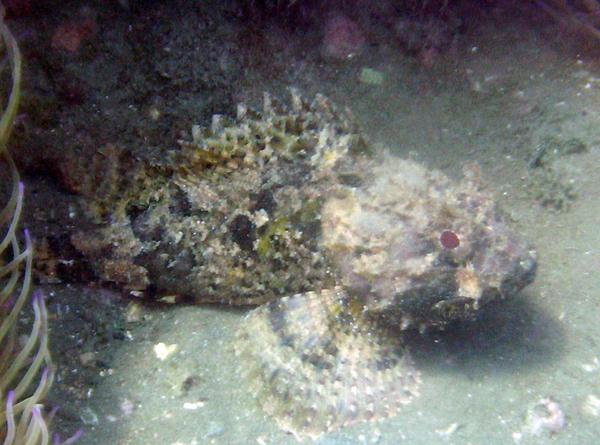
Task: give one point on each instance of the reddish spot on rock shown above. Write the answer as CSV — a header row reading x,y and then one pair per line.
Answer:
x,y
449,239
70,35
342,38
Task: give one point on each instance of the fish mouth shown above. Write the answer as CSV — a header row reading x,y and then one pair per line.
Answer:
x,y
459,293
523,274
476,290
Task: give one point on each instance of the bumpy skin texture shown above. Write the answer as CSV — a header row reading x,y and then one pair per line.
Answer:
x,y
316,362
348,248
233,217
386,240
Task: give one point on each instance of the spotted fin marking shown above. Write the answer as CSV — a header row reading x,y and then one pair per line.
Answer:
x,y
315,367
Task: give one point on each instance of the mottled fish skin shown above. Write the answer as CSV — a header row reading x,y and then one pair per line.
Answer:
x,y
322,360
345,247
315,366
385,240
233,216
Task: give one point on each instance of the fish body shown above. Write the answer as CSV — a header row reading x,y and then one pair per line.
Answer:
x,y
343,246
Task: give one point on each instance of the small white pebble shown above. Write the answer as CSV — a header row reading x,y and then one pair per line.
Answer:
x,y
591,405
163,351
449,430
192,406
261,217
591,367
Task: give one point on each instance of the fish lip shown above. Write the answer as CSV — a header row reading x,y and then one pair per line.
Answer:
x,y
523,274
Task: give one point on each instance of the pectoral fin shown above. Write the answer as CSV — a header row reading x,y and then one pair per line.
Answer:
x,y
316,364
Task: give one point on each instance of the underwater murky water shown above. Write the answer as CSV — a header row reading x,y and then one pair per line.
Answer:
x,y
508,93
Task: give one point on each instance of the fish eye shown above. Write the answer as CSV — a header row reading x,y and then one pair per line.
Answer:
x,y
449,239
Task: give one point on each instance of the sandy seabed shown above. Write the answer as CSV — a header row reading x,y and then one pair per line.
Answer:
x,y
527,371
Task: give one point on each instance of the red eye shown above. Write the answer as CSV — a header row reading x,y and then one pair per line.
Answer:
x,y
449,239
